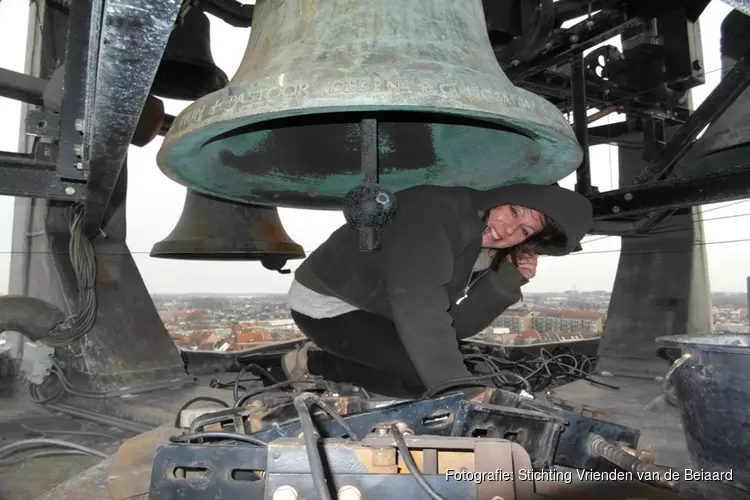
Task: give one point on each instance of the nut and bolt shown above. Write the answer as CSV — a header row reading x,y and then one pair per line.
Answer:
x,y
349,493
616,209
574,38
78,149
70,190
79,125
285,493
628,196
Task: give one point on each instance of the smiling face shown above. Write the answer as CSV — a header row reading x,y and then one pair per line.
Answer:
x,y
509,225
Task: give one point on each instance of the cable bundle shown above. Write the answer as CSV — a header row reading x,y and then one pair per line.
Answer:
x,y
83,260
534,374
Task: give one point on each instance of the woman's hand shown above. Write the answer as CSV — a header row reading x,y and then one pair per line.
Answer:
x,y
527,264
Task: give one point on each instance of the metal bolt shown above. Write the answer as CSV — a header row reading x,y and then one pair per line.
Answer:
x,y
349,493
628,196
616,210
276,455
79,125
382,431
79,165
78,149
574,38
497,498
70,190
285,493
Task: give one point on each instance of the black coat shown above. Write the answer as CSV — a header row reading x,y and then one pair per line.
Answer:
x,y
428,252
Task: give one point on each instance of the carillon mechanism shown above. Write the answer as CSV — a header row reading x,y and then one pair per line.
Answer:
x,y
369,207
287,129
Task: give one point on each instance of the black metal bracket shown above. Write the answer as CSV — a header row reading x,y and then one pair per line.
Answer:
x,y
726,185
731,86
23,175
80,60
99,108
580,121
579,38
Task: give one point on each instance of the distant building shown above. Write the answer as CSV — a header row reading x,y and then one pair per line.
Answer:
x,y
530,336
557,321
517,320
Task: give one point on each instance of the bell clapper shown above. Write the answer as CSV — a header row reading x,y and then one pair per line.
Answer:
x,y
369,207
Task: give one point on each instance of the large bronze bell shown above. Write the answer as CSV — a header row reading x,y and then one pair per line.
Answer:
x,y
187,71
214,229
726,142
285,131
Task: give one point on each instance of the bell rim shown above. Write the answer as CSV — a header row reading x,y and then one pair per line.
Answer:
x,y
552,143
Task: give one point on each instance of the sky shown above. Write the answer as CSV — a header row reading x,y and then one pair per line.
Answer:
x,y
155,202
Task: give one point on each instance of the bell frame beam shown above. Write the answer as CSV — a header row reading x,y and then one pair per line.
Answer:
x,y
726,185
100,107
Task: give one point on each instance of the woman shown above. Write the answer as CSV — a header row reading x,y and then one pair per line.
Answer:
x,y
452,260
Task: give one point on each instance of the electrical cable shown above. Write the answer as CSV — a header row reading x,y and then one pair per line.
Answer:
x,y
311,446
280,385
403,450
72,433
50,442
83,261
36,397
187,438
13,461
331,411
260,370
460,382
218,384
196,400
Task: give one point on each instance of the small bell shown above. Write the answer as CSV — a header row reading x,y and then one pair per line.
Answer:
x,y
187,71
215,229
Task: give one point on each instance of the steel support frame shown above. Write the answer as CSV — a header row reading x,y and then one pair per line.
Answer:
x,y
580,121
731,86
22,87
107,39
579,38
134,34
726,185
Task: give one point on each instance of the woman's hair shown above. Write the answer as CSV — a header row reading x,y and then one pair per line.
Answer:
x,y
550,235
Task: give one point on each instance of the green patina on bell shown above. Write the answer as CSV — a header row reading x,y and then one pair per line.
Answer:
x,y
285,131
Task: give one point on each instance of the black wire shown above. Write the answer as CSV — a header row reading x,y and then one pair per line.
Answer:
x,y
195,400
460,382
403,450
187,438
331,411
218,384
259,370
280,385
311,446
